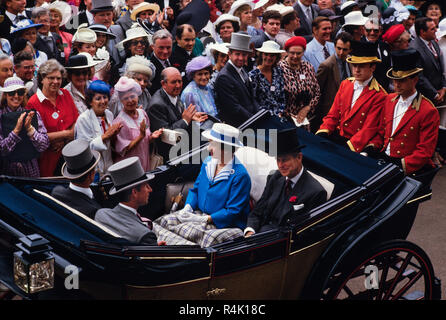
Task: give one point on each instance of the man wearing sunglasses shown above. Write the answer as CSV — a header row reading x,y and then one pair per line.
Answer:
x,y
373,31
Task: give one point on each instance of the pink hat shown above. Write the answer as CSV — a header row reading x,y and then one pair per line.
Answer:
x,y
127,84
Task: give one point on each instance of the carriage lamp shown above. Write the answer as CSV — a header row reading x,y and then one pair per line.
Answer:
x,y
33,264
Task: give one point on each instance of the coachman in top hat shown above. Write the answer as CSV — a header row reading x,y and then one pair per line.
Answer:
x,y
354,116
409,124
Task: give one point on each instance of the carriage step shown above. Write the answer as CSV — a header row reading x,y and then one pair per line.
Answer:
x,y
416,295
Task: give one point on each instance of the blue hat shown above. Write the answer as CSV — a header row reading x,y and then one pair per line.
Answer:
x,y
23,25
99,86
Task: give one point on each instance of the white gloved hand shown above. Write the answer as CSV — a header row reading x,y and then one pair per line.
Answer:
x,y
192,217
186,210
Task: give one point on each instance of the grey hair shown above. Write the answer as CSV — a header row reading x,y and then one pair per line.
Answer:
x,y
48,67
39,12
4,56
161,34
133,74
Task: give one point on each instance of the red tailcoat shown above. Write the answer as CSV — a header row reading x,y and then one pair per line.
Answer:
x,y
415,138
359,123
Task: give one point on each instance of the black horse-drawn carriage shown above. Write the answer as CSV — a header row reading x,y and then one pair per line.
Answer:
x,y
351,247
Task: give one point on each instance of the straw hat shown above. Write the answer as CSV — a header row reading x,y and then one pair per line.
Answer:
x,y
64,9
84,35
224,133
12,84
220,47
127,174
79,159
143,6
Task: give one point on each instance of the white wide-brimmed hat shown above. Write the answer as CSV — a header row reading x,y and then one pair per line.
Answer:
x,y
286,10
224,133
127,174
220,47
259,4
135,31
270,47
355,18
226,17
441,29
84,34
64,9
12,84
275,7
238,3
143,6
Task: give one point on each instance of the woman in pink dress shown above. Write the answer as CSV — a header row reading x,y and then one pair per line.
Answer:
x,y
60,13
135,136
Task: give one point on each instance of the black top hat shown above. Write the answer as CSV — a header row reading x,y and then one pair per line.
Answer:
x,y
79,159
364,52
405,64
288,142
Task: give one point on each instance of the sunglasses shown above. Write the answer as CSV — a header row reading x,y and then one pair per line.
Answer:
x,y
370,30
20,92
136,42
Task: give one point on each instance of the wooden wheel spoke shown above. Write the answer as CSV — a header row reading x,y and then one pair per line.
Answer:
x,y
398,276
407,286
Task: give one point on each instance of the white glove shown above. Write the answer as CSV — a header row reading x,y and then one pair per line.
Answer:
x,y
187,209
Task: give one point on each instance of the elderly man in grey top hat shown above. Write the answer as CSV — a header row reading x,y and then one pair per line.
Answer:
x,y
234,92
79,167
132,188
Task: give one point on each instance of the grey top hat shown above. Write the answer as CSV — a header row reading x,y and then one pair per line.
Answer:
x,y
79,159
101,5
240,41
127,174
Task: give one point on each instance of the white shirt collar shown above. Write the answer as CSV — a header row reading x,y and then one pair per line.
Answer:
x,y
129,208
361,86
304,7
270,36
224,172
319,45
86,191
12,16
406,103
90,17
236,68
296,177
172,99
425,42
42,97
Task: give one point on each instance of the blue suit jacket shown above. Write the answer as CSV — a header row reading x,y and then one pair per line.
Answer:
x,y
225,199
314,54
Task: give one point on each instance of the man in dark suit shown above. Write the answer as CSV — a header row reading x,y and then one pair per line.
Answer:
x,y
47,41
271,27
234,93
12,11
162,50
182,51
290,192
432,83
79,167
132,189
330,74
306,11
167,111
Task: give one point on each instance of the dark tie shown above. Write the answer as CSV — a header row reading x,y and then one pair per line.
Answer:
x,y
287,187
19,18
180,106
343,71
326,53
145,221
244,76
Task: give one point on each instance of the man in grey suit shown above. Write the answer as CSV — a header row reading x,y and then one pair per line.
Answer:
x,y
306,11
330,74
290,192
132,187
79,168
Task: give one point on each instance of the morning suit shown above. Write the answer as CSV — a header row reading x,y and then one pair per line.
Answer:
x,y
305,29
52,50
357,123
234,97
314,53
125,223
6,24
76,200
432,78
163,114
329,78
415,138
224,197
274,207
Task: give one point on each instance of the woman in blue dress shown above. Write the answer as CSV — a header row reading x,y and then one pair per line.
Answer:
x,y
222,189
198,92
267,79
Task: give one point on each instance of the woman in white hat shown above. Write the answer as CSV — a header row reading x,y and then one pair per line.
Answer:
x,y
218,52
267,78
23,135
225,25
242,9
60,14
84,40
223,185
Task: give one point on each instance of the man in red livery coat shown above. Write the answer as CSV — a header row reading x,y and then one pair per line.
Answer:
x,y
410,122
354,116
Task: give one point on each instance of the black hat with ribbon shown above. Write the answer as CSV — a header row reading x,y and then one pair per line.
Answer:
x,y
405,64
288,142
79,159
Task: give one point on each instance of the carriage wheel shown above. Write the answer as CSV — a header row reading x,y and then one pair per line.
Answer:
x,y
395,270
